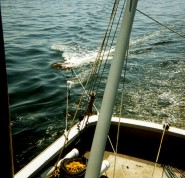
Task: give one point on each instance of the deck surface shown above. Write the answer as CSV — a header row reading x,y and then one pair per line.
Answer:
x,y
130,167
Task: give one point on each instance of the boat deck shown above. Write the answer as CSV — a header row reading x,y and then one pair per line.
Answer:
x,y
130,167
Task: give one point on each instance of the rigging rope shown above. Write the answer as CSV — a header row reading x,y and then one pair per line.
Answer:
x,y
166,127
113,38
87,83
168,170
95,72
97,62
121,109
115,155
80,81
91,78
103,48
181,35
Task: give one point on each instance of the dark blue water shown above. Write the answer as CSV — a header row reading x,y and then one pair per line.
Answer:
x,y
39,33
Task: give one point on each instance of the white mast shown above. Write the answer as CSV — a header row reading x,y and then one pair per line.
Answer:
x,y
103,125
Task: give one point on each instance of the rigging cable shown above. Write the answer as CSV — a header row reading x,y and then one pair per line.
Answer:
x,y
113,38
119,164
83,93
94,65
181,35
121,109
80,81
104,45
165,128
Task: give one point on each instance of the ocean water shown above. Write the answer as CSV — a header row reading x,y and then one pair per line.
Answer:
x,y
40,33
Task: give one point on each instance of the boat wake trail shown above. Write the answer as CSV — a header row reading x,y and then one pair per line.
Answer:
x,y
74,56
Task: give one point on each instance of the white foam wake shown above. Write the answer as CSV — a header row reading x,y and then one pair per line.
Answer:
x,y
76,58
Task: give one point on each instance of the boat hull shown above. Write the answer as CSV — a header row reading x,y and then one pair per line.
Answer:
x,y
138,139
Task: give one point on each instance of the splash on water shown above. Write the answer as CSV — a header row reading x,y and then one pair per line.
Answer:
x,y
76,57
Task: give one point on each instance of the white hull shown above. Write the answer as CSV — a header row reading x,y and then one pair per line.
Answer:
x,y
139,139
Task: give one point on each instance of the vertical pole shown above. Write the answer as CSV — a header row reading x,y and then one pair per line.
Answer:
x,y
6,160
103,125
